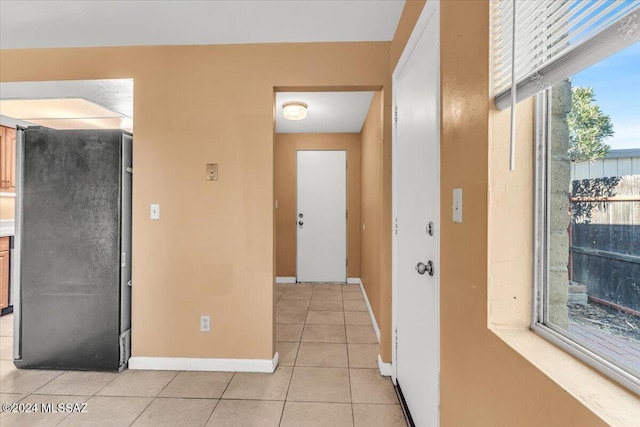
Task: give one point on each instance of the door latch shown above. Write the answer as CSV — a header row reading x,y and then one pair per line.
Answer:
x,y
430,228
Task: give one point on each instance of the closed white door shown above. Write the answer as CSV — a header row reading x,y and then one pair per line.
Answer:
x,y
321,219
416,200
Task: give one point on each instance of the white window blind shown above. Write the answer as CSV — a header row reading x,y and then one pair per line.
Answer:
x,y
554,40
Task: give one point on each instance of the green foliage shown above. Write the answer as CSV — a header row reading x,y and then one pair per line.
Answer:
x,y
588,126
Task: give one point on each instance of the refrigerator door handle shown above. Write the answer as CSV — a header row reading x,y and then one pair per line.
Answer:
x,y
16,291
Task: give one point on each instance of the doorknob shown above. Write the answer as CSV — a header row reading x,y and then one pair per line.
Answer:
x,y
422,268
300,223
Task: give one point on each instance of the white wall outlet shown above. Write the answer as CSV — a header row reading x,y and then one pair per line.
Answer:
x,y
205,323
457,205
154,211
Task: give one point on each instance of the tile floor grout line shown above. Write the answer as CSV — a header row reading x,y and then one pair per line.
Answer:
x,y
114,378
353,421
286,395
241,399
152,399
62,420
47,383
331,402
295,360
227,386
141,412
212,411
282,412
170,381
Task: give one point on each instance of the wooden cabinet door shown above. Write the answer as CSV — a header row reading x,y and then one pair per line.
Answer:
x,y
4,148
10,164
4,272
7,159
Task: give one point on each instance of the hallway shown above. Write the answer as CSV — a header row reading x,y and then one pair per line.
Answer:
x,y
327,376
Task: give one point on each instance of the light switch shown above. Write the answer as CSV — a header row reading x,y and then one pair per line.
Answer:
x,y
457,205
155,211
212,171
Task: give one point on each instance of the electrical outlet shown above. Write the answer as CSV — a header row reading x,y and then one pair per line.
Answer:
x,y
205,323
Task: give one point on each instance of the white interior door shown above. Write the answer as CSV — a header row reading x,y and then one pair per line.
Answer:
x,y
321,219
416,201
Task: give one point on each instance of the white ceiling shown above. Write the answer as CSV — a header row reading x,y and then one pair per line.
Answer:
x,y
74,23
328,112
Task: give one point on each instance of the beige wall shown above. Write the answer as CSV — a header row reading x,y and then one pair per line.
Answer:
x,y
484,382
285,149
371,200
213,250
7,207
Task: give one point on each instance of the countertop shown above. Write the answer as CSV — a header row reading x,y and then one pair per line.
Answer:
x,y
7,227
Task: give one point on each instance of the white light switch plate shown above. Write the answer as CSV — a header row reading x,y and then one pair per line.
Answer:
x,y
155,211
457,205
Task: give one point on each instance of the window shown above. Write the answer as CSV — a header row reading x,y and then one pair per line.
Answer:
x,y
587,284
581,59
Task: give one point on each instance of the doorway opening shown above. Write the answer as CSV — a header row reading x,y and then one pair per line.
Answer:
x,y
320,184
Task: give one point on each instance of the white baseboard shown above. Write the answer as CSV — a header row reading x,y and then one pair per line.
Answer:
x,y
384,367
354,281
204,364
373,318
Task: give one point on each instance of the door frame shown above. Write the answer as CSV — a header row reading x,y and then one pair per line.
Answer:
x,y
430,11
346,210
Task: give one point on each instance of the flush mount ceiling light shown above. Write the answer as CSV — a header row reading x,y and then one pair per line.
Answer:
x,y
294,110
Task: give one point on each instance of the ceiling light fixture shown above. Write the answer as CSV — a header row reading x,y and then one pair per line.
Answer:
x,y
294,110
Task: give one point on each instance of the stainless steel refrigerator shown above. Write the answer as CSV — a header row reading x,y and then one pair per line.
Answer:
x,y
72,261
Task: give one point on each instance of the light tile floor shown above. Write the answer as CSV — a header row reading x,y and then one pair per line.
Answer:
x,y
327,376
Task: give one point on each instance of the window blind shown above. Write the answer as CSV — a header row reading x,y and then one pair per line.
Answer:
x,y
554,40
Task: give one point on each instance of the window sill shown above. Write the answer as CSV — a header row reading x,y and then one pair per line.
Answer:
x,y
611,402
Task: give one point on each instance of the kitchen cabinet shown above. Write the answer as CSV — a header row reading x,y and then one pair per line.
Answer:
x,y
4,272
7,159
